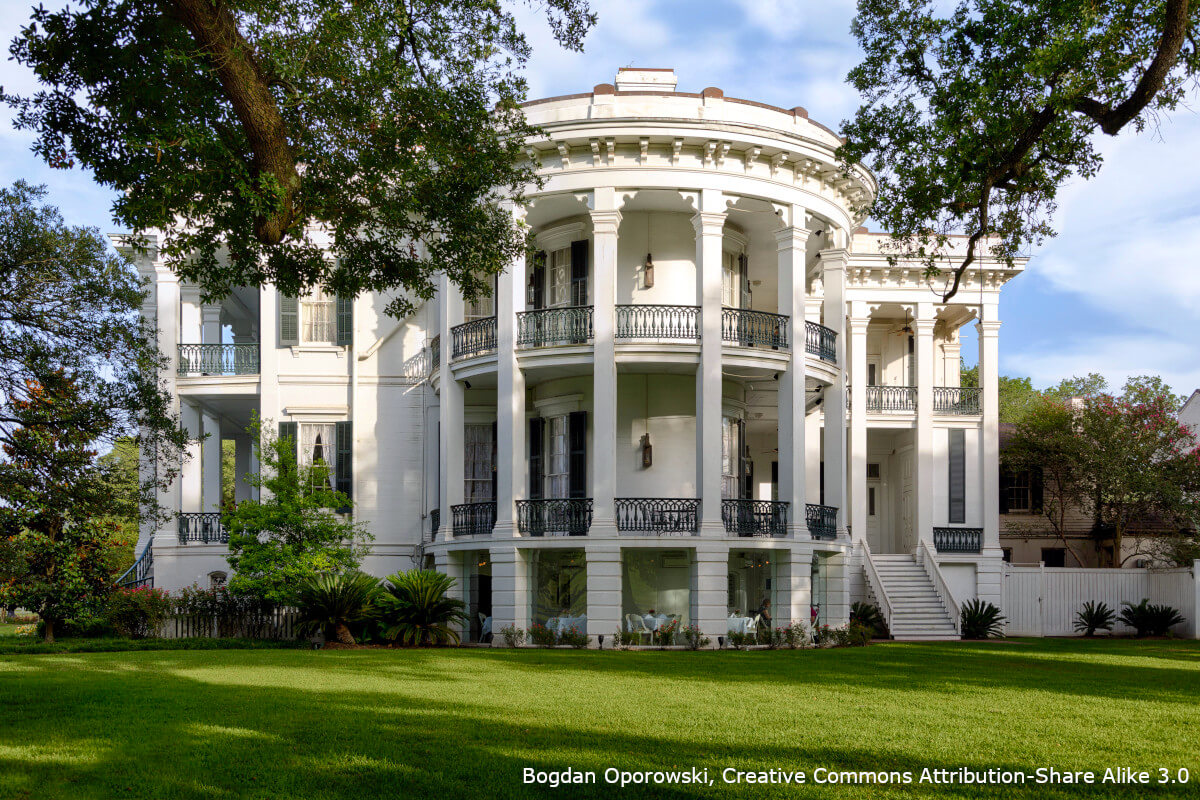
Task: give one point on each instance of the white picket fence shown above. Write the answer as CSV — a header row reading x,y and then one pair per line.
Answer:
x,y
1043,601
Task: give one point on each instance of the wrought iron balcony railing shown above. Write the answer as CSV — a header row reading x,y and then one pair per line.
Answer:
x,y
755,517
658,322
956,400
555,517
474,519
201,526
657,515
474,338
891,399
218,359
820,341
958,540
754,328
546,327
821,521
435,353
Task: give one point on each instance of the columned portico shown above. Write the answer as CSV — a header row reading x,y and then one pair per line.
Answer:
x,y
709,223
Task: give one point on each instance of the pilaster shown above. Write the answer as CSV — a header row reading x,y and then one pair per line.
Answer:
x,y
510,589
710,592
603,590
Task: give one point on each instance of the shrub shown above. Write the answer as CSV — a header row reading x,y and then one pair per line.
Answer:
x,y
1094,617
665,635
82,626
739,640
138,613
235,615
623,639
693,639
773,638
574,637
869,615
850,635
797,634
331,603
512,636
981,620
543,636
418,609
1150,620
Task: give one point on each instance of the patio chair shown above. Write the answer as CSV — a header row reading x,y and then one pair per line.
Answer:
x,y
635,624
483,626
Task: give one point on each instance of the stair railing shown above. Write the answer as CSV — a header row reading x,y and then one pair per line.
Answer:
x,y
876,583
928,560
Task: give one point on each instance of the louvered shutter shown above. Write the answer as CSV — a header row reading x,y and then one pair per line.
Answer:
x,y
743,463
290,431
579,273
345,321
537,435
958,476
344,464
495,452
577,446
537,282
1036,490
289,321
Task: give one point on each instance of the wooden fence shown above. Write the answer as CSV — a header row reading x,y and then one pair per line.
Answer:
x,y
278,624
1043,601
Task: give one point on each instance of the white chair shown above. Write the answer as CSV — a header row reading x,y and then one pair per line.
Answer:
x,y
635,624
752,625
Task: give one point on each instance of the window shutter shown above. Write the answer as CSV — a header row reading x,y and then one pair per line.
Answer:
x,y
289,320
822,496
577,446
345,321
743,464
1005,485
290,430
958,476
495,452
1036,490
343,465
579,272
537,435
537,281
747,298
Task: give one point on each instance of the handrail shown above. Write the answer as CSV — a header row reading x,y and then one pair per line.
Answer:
x,y
929,563
218,359
820,341
201,526
657,514
140,568
958,540
473,338
821,521
650,321
960,400
876,582
755,517
545,327
749,328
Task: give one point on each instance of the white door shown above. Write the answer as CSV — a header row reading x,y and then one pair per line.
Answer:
x,y
906,540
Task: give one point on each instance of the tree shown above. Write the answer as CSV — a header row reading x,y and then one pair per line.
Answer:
x,y
356,146
1016,395
1090,385
975,119
293,532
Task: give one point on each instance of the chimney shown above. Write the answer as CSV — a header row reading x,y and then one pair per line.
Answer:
x,y
632,79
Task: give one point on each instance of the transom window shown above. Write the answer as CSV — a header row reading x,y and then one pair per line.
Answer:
x,y
318,318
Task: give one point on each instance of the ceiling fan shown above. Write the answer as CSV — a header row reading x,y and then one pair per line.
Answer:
x,y
906,328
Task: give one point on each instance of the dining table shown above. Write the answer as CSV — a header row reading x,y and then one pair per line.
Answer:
x,y
739,624
560,624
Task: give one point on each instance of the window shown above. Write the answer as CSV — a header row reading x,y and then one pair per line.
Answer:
x,y
729,458
870,501
559,269
217,580
1054,556
478,460
318,318
558,463
872,472
731,281
958,476
1007,555
872,374
481,307
1018,492
912,361
318,444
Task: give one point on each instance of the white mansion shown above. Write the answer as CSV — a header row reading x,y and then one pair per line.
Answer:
x,y
710,390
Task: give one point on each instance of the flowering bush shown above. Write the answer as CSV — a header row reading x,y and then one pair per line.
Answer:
x,y
512,636
623,639
851,635
693,639
574,637
231,614
138,613
739,640
797,635
541,635
665,634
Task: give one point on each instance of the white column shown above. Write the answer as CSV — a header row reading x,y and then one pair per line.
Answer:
x,y
859,320
709,224
923,468
606,220
451,410
451,564
951,360
510,589
211,470
510,398
710,589
210,323
163,317
190,483
790,244
795,597
269,356
833,264
603,590
190,319
989,452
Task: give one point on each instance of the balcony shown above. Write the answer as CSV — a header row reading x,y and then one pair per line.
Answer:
x,y
964,401
435,353
202,526
661,515
658,322
821,521
218,359
754,517
958,540
554,517
747,328
820,341
473,519
891,399
547,327
474,338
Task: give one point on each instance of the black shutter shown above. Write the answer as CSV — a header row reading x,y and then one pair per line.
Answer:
x,y
958,476
495,474
289,320
1005,485
577,446
343,463
537,281
1036,490
579,272
743,463
537,435
822,500
291,431
345,320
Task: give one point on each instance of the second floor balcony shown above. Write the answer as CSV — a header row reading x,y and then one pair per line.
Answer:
x,y
547,327
747,328
679,323
218,359
203,527
474,338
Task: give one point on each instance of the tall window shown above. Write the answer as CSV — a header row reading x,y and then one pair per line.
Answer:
x,y
558,461
912,361
1020,496
477,463
481,307
729,458
559,276
318,318
318,446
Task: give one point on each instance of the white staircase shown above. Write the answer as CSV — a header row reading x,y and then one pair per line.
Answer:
x,y
917,611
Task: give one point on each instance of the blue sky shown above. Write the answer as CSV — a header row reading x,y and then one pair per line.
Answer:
x,y
1116,292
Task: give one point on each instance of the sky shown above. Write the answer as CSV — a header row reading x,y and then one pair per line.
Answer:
x,y
1116,292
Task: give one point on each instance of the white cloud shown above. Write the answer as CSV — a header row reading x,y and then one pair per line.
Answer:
x,y
1116,356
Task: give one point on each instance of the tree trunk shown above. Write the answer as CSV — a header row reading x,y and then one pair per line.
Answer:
x,y
48,630
343,633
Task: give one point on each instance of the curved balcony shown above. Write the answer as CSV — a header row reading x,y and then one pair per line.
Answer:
x,y
681,323
747,328
821,521
962,401
473,519
201,526
548,327
554,517
755,517
820,341
218,359
474,338
661,515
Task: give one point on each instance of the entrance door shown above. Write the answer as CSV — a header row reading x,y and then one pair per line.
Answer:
x,y
907,541
874,513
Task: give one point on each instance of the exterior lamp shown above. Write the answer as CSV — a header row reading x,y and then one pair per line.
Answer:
x,y
648,272
600,642
647,451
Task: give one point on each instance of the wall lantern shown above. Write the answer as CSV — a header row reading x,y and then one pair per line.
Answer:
x,y
647,451
648,272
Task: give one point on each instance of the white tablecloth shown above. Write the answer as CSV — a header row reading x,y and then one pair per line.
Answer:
x,y
738,624
653,623
560,624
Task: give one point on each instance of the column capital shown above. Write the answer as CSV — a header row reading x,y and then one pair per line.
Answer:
x,y
792,238
988,327
924,325
189,292
709,222
858,325
834,258
605,221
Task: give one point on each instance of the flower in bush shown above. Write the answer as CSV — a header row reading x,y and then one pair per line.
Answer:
x,y
693,639
573,637
138,613
664,635
512,636
543,636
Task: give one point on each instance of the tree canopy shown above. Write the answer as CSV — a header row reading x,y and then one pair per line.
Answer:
x,y
974,119
355,146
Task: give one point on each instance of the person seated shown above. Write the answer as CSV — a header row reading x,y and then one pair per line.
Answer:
x,y
764,611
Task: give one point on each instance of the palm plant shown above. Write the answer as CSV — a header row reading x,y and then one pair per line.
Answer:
x,y
981,620
418,609
869,616
1094,617
1150,620
335,601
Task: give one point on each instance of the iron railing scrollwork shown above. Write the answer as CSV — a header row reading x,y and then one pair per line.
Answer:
x,y
473,519
755,517
958,540
218,359
956,400
821,521
555,517
820,341
474,338
891,399
201,526
657,514
554,326
658,322
754,328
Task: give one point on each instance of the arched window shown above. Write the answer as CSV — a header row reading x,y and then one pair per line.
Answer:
x,y
216,580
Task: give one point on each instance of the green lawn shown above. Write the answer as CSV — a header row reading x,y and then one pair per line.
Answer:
x,y
462,723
